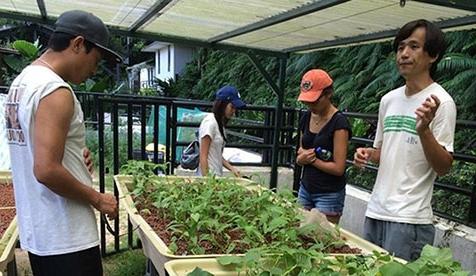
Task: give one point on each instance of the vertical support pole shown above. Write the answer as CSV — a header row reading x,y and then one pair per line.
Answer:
x,y
297,168
101,170
267,137
130,142
279,91
143,133
129,46
156,133
168,147
174,138
115,121
472,208
277,126
95,107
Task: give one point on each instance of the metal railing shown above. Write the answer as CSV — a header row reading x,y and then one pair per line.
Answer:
x,y
119,139
258,136
468,193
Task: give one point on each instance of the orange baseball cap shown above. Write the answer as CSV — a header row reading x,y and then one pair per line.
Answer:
x,y
312,85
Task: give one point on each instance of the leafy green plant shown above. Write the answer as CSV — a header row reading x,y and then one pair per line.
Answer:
x,y
28,52
199,272
92,143
218,216
141,170
288,261
436,260
101,84
148,91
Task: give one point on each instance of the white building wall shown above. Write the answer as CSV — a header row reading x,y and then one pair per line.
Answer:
x,y
162,63
179,56
143,76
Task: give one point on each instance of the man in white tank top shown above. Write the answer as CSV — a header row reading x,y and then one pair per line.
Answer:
x,y
46,136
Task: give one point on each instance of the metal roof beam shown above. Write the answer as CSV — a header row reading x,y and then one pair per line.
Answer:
x,y
279,18
445,24
7,29
151,12
469,5
165,38
24,17
343,41
264,73
197,43
42,8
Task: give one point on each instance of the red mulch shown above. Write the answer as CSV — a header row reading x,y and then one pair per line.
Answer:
x,y
345,249
6,191
159,223
6,216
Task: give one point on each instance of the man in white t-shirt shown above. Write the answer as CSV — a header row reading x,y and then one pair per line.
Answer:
x,y
413,144
46,137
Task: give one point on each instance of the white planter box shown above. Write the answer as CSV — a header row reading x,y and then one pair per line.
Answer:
x,y
157,251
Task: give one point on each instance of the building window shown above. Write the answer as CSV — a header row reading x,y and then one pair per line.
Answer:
x,y
158,62
168,58
151,77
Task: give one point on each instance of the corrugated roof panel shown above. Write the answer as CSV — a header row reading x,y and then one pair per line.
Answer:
x,y
24,6
113,12
212,20
345,20
204,19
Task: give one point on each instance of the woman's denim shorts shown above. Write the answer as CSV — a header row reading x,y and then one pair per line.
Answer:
x,y
331,204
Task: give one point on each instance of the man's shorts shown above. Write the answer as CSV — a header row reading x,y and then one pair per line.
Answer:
x,y
405,240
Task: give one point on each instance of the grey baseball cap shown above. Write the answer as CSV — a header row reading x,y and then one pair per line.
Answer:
x,y
91,27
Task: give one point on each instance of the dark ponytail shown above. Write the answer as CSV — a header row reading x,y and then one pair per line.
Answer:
x,y
219,107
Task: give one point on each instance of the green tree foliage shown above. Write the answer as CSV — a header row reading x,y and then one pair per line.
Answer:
x,y
15,63
362,74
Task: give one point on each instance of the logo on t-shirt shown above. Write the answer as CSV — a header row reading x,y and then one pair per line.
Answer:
x,y
400,123
15,133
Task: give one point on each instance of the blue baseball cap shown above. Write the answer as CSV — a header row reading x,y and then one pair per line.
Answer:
x,y
230,94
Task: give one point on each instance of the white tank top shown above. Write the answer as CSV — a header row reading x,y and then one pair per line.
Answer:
x,y
49,224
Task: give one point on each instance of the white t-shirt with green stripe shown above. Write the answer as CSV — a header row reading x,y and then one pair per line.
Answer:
x,y
404,184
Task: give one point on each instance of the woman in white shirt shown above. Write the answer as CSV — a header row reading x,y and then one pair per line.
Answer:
x,y
212,136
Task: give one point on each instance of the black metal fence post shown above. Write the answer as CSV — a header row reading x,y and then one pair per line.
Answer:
x,y
273,183
115,152
267,137
130,137
174,138
168,145
472,208
143,131
101,170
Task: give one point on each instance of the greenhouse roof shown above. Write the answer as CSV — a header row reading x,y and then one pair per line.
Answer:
x,y
270,26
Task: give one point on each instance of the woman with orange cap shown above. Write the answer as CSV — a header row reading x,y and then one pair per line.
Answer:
x,y
325,132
